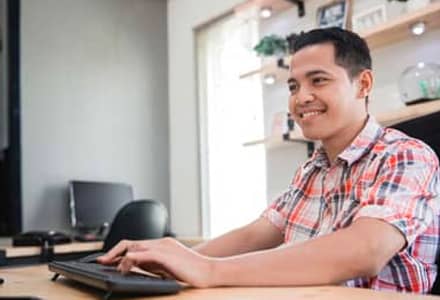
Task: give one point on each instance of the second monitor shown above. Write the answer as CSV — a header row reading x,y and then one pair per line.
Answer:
x,y
93,205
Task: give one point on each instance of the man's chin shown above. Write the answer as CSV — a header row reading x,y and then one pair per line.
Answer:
x,y
312,135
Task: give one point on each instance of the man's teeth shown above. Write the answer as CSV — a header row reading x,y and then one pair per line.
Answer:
x,y
311,113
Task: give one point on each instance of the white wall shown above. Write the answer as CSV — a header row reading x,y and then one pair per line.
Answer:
x,y
183,17
94,101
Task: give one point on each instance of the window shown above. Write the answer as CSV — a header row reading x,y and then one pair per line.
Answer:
x,y
231,113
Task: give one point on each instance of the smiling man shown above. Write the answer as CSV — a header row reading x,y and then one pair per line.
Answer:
x,y
363,211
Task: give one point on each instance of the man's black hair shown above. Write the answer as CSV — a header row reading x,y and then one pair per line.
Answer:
x,y
351,51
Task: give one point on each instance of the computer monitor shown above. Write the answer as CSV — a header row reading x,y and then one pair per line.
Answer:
x,y
95,204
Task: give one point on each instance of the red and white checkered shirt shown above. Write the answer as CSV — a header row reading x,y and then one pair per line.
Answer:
x,y
383,174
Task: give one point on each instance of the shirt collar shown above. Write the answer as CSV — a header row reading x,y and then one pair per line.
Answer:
x,y
362,143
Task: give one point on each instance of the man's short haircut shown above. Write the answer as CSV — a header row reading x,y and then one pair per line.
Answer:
x,y
351,51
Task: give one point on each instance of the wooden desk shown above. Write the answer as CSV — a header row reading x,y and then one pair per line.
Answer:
x,y
10,255
27,255
35,281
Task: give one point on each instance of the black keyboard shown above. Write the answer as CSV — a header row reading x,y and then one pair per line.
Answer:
x,y
109,279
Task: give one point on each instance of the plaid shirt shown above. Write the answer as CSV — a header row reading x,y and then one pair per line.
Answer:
x,y
383,174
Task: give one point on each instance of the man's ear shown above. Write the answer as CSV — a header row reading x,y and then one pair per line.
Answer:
x,y
365,83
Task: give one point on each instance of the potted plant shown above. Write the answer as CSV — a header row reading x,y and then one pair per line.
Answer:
x,y
272,45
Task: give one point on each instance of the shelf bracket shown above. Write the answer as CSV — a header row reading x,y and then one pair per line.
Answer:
x,y
310,144
300,4
281,64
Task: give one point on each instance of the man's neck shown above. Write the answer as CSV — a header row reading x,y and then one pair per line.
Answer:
x,y
336,144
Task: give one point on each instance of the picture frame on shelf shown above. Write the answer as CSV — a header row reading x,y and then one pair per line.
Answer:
x,y
369,18
334,14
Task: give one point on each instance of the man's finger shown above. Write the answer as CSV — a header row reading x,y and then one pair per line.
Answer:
x,y
117,251
125,265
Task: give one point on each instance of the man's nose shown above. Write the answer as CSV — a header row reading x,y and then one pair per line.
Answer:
x,y
304,96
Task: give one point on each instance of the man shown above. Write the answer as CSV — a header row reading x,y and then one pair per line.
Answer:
x,y
361,212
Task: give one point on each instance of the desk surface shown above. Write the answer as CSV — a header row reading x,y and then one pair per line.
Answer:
x,y
6,245
35,281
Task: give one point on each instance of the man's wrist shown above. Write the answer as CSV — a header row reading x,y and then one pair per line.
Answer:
x,y
215,271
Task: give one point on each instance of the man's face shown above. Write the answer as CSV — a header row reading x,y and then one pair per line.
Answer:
x,y
323,99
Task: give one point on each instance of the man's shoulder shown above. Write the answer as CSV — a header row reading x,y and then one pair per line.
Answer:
x,y
395,143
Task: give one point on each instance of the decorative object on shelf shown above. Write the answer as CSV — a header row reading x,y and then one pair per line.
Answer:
x,y
272,45
412,5
420,83
334,14
369,18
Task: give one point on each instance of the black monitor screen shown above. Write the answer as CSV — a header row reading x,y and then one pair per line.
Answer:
x,y
93,204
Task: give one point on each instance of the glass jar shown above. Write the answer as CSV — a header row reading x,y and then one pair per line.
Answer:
x,y
420,83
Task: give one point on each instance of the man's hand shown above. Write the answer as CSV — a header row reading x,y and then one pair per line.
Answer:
x,y
164,256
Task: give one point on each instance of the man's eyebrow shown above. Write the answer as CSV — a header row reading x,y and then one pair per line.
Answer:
x,y
309,74
316,72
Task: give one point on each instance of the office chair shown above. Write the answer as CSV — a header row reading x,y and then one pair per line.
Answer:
x,y
138,220
427,129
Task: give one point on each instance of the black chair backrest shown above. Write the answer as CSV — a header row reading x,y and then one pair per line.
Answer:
x,y
138,220
425,128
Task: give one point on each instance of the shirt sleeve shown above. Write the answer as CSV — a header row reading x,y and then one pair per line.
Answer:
x,y
277,211
405,191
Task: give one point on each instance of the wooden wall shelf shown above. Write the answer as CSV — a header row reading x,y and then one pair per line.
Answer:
x,y
379,36
400,28
408,113
385,119
278,141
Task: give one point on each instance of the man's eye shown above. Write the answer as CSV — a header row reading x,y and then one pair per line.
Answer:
x,y
319,80
293,88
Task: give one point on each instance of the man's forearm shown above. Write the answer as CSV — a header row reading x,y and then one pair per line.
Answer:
x,y
232,243
258,235
330,259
